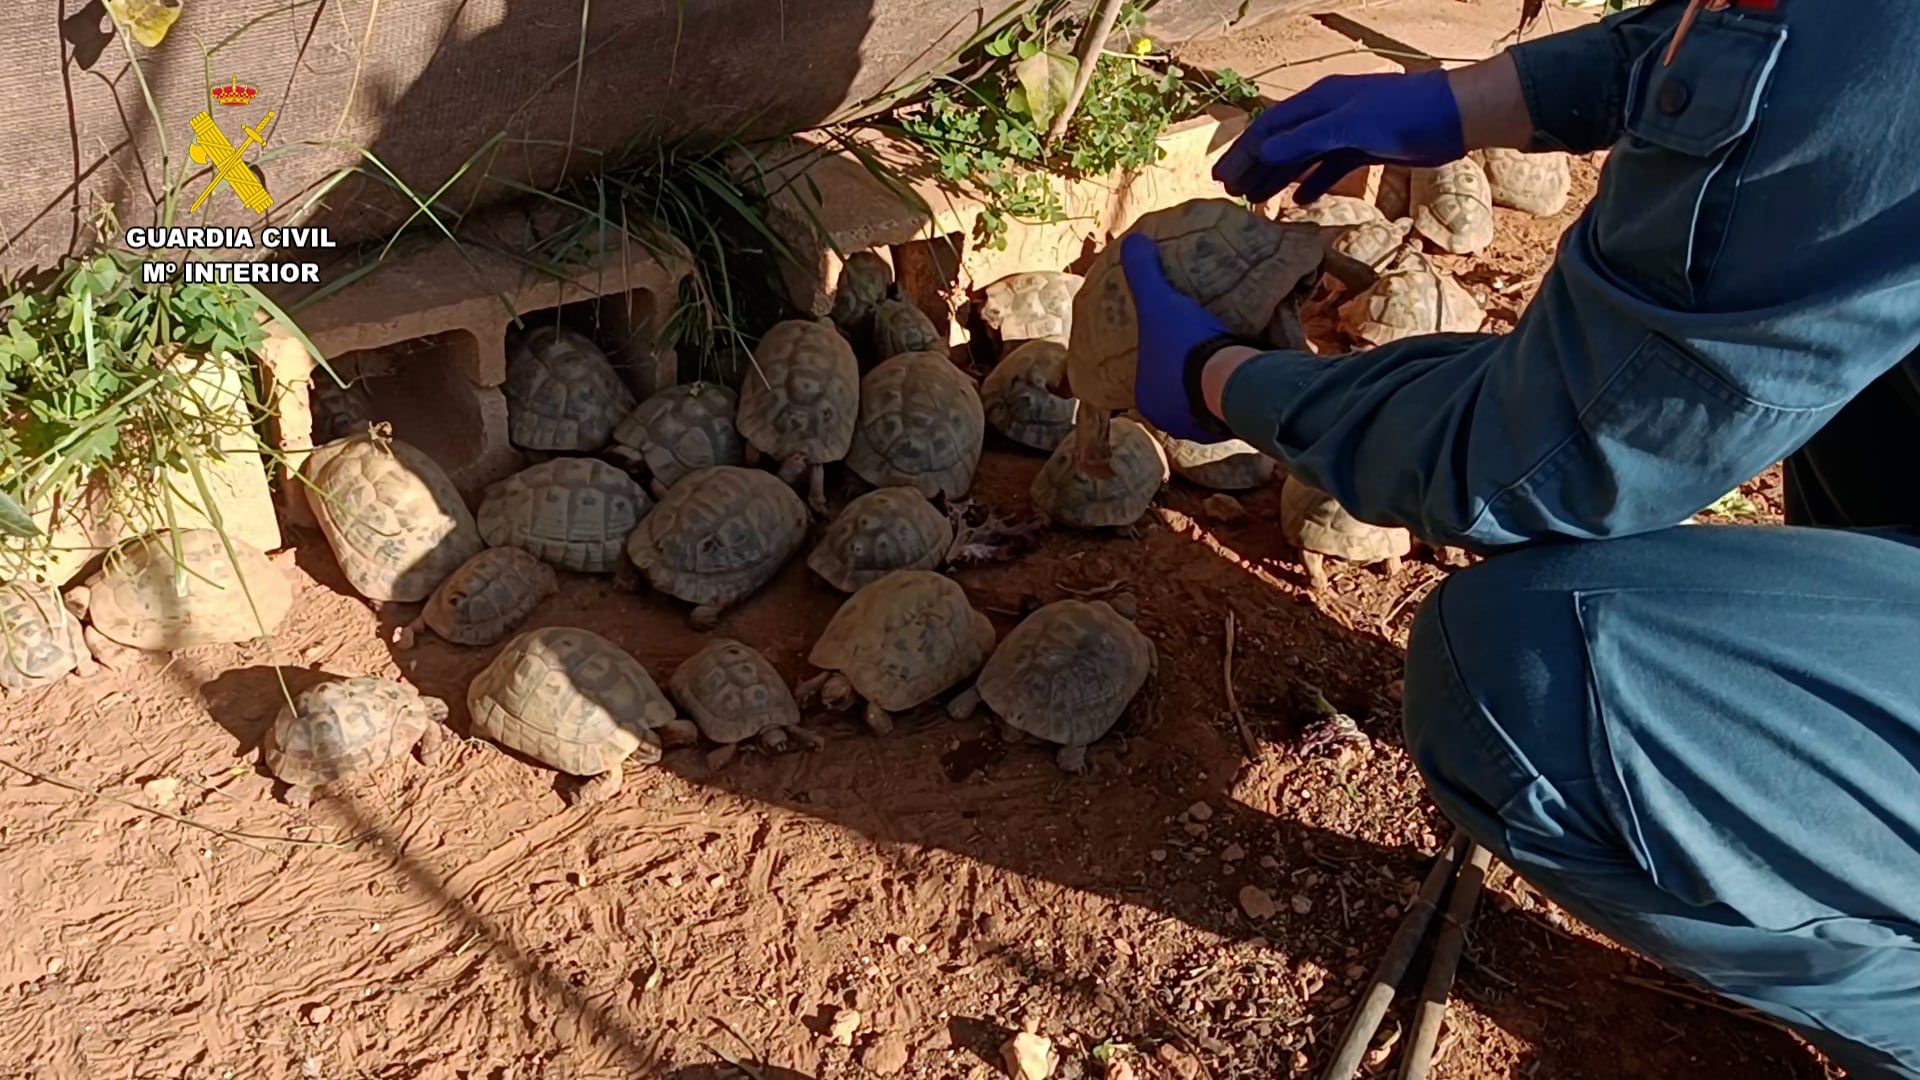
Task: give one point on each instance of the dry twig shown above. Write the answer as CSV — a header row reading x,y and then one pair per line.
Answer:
x,y
1092,40
1233,703
237,837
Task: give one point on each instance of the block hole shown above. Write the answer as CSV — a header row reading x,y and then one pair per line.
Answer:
x,y
419,387
625,324
928,273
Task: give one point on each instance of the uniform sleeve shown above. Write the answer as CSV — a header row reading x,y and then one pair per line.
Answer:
x,y
1730,287
1575,81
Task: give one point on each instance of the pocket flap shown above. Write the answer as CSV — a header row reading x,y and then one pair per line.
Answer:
x,y
1711,93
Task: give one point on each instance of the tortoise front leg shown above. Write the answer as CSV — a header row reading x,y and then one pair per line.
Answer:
x,y
599,789
792,468
434,745
1393,566
1071,758
817,488
878,719
1316,565
965,703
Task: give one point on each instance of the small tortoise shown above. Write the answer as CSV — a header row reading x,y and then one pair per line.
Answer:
x,y
1452,206
1374,243
562,393
483,601
801,405
1249,271
865,279
1335,210
395,522
892,528
1063,493
40,637
718,536
574,701
1230,465
1318,525
1536,184
1395,198
1020,396
348,726
898,642
899,327
573,512
1411,298
734,694
921,423
178,589
1031,306
680,429
1065,674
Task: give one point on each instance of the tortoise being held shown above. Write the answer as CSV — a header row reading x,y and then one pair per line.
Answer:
x,y
1411,297
735,694
897,642
347,726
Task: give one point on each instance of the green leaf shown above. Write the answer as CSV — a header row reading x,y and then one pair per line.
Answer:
x,y
14,519
1028,48
1017,101
1048,80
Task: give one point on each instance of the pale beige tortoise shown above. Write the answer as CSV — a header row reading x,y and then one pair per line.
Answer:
x,y
1021,397
679,429
1249,271
486,599
1411,297
41,640
1034,305
1452,206
865,279
899,327
921,424
180,589
1395,198
562,393
735,694
1319,526
1536,184
1228,465
348,726
575,513
1334,210
718,536
576,702
801,403
887,529
898,642
1065,494
393,519
1373,243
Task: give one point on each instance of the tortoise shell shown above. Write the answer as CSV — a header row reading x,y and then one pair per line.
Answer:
x,y
921,424
1067,672
893,528
732,692
489,595
1229,465
1019,399
1335,211
1452,206
573,512
719,535
571,700
1411,299
899,327
1031,306
682,428
347,726
40,639
395,522
1374,242
865,280
1242,267
904,638
176,590
338,411
1069,496
804,396
1313,520
562,393
1395,198
1537,184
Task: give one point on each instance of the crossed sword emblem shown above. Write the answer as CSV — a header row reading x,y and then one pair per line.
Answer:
x,y
210,145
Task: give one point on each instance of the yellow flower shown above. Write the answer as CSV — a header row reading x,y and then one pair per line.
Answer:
x,y
1142,46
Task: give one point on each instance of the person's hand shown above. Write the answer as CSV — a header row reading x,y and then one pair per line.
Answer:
x,y
1172,325
1339,124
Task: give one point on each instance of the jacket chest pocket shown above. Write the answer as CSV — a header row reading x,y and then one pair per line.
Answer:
x,y
1670,182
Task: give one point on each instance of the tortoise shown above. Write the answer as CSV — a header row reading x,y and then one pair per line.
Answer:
x,y
1065,674
800,407
1374,243
395,522
574,701
562,393
1536,184
489,595
865,279
899,327
682,428
347,726
176,589
573,512
1229,465
1065,494
1018,396
891,528
1031,306
338,411
719,535
921,424
1395,198
1249,271
40,636
1318,525
735,694
1411,298
898,642
1335,211
1452,206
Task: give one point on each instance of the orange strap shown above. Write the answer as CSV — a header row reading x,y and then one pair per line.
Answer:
x,y
1694,8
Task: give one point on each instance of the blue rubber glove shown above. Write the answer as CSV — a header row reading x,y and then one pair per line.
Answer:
x,y
1177,336
1339,124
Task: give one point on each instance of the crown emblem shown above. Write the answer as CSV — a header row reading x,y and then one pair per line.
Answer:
x,y
234,93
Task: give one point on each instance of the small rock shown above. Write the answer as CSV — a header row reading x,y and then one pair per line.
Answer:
x,y
1269,862
845,1023
1356,971
319,1014
885,1055
55,965
1300,1062
1390,911
1178,1062
1200,811
1118,1069
1233,853
161,792
1029,1056
1256,902
1194,828
1340,1003
1301,903
1223,508
1158,854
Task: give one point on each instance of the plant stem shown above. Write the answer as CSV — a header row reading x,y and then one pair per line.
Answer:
x,y
1092,40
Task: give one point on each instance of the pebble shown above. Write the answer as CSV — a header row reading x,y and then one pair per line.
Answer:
x,y
1194,828
1339,1003
1223,508
1158,854
1233,853
1301,903
1200,811
845,1023
1256,902
1029,1056
1300,1062
55,965
1356,971
885,1055
162,792
1269,862
1178,1062
319,1014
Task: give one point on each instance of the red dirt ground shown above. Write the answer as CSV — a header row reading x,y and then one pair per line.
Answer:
x,y
462,922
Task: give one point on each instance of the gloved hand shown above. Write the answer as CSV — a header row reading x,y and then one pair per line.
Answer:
x,y
1172,325
1339,124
